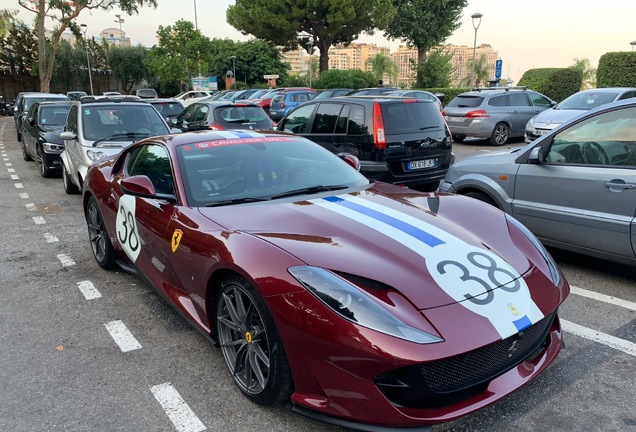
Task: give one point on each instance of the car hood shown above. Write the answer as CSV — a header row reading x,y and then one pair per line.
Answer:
x,y
553,117
415,243
53,136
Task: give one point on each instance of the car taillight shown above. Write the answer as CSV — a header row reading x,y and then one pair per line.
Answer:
x,y
378,127
213,126
477,114
282,105
409,100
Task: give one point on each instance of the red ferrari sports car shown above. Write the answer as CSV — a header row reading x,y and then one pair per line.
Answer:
x,y
365,304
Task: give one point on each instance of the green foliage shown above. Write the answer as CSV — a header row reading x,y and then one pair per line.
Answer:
x,y
6,20
616,69
295,80
18,48
589,73
448,92
127,65
380,65
556,83
327,22
71,68
482,73
352,78
435,70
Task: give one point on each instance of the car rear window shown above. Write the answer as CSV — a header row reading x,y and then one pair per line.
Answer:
x,y
278,98
411,117
240,114
168,108
146,93
461,101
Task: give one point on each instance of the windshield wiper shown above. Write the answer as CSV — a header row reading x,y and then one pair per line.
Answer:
x,y
428,127
236,201
309,190
131,135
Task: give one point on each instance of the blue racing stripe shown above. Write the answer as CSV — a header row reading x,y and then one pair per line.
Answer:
x,y
245,134
522,323
406,228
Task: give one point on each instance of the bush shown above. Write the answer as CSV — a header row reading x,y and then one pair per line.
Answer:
x,y
616,69
555,83
449,93
352,78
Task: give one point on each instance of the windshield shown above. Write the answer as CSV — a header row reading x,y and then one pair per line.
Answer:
x,y
53,115
587,100
100,121
256,169
28,102
465,101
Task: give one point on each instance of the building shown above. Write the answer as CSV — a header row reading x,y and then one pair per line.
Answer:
x,y
298,59
405,58
115,36
354,56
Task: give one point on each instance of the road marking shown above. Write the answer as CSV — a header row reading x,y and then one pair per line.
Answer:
x,y
122,336
18,185
50,238
66,260
5,159
179,413
14,177
31,207
88,289
11,170
602,338
7,164
39,220
603,298
24,195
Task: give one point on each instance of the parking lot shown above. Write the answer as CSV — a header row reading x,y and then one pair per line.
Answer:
x,y
85,350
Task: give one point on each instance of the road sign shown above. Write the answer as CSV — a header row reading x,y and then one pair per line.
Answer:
x,y
498,65
270,76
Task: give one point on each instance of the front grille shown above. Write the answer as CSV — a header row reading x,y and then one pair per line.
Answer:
x,y
449,380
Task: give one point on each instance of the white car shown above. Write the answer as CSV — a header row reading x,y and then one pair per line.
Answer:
x,y
192,96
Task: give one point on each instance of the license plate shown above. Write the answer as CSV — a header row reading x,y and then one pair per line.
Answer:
x,y
540,132
426,163
455,119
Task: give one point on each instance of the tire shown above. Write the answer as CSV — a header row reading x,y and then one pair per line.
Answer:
x,y
45,171
69,186
459,138
482,197
250,342
500,135
25,155
103,250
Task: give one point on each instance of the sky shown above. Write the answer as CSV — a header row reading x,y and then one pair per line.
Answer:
x,y
529,34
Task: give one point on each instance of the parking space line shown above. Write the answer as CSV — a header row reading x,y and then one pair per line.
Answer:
x,y
7,164
602,338
11,170
50,238
179,413
31,207
14,177
66,260
39,220
603,298
18,185
24,195
122,336
88,289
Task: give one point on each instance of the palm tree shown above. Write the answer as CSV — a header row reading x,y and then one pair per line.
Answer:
x,y
482,73
589,73
381,65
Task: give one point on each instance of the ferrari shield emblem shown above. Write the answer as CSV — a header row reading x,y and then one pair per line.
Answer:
x,y
513,309
176,239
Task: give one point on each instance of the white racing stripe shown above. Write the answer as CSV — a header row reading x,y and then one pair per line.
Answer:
x,y
179,413
66,260
88,289
122,336
597,336
603,298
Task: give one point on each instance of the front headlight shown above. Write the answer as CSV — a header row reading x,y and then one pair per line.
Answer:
x,y
95,155
530,124
53,147
555,276
355,305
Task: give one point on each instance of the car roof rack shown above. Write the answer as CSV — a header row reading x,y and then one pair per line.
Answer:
x,y
92,99
506,88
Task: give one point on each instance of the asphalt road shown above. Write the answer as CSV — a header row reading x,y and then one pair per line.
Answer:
x,y
62,369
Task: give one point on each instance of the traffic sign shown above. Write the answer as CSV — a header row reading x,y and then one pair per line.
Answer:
x,y
498,65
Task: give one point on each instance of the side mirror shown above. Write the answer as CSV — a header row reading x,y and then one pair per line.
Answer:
x,y
351,160
140,185
68,136
536,156
31,121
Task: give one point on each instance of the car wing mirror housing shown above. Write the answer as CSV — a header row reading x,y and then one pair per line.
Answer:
x,y
536,156
68,136
141,186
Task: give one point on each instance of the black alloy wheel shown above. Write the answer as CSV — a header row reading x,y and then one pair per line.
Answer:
x,y
100,242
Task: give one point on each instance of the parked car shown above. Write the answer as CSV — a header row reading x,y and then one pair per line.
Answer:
x,y
111,93
265,101
418,94
242,95
220,115
495,114
397,140
257,94
328,93
188,97
24,102
572,106
284,102
168,108
146,93
41,131
76,95
98,128
364,304
574,187
372,91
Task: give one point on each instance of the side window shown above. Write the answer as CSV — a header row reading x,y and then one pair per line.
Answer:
x,y
187,114
497,101
605,139
326,118
518,99
298,121
71,121
341,126
356,124
539,100
201,114
33,112
152,161
627,95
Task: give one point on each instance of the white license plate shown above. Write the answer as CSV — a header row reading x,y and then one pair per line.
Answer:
x,y
455,119
540,132
426,163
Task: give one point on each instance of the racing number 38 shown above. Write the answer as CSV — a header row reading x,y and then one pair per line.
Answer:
x,y
126,226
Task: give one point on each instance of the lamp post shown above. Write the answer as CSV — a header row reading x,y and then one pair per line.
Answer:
x,y
119,21
310,49
234,70
476,22
88,61
196,22
633,43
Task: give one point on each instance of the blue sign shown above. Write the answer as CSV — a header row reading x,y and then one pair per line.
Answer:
x,y
498,65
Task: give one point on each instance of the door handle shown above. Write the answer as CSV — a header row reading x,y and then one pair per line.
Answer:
x,y
620,185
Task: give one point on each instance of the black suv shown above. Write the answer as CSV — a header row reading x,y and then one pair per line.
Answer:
x,y
24,101
398,140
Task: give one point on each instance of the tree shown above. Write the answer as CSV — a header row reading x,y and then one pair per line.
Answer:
x,y
382,65
63,14
482,73
17,48
435,71
589,73
325,22
70,71
6,20
127,65
424,24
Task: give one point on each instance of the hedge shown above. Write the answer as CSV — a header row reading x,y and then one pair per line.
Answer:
x,y
555,83
616,69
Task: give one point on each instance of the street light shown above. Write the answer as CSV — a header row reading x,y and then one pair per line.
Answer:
x,y
633,43
120,21
234,70
310,46
88,61
196,21
475,17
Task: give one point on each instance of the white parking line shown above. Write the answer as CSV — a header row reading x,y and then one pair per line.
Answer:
x,y
39,220
88,289
31,207
24,195
179,413
7,164
11,170
66,260
14,177
50,238
604,298
602,338
18,185
122,336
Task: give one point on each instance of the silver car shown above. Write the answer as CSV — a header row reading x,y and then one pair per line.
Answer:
x,y
574,188
98,128
496,114
572,106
